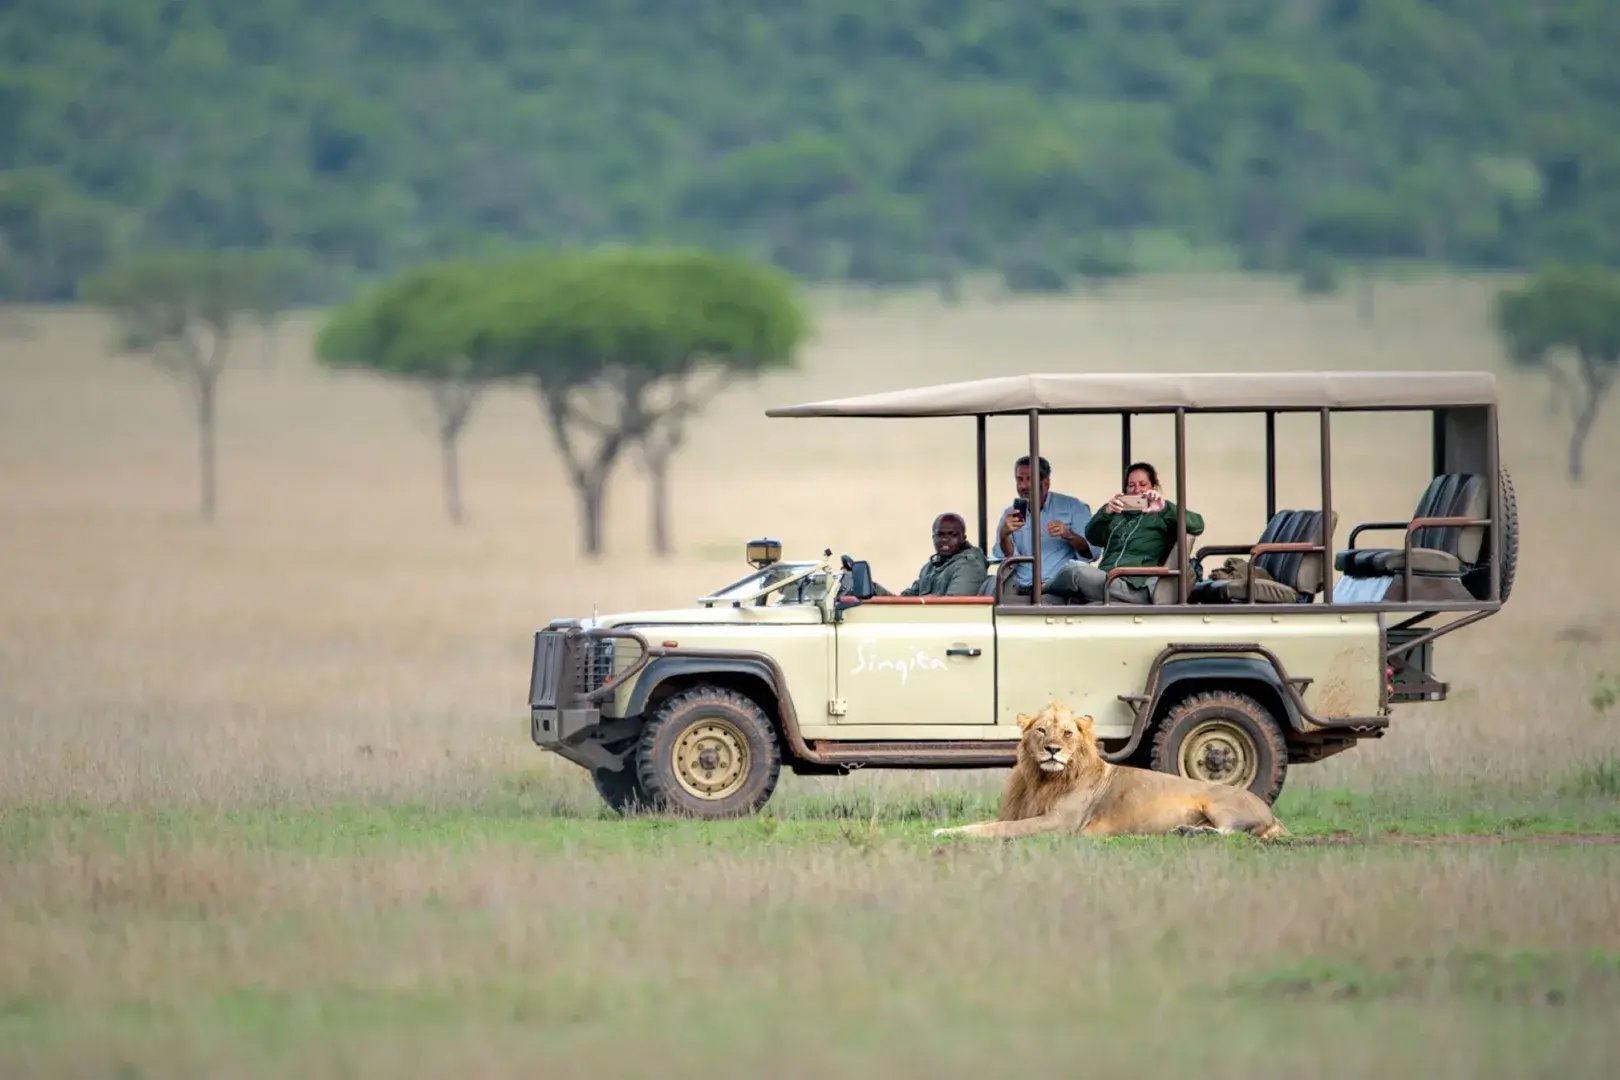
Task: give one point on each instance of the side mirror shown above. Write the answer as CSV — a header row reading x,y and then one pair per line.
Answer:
x,y
860,580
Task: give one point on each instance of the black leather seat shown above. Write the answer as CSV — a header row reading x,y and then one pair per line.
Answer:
x,y
1296,576
1437,550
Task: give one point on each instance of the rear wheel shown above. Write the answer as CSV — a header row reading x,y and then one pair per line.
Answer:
x,y
1223,737
710,753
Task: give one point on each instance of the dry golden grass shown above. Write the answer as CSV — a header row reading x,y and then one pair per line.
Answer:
x,y
148,657
187,710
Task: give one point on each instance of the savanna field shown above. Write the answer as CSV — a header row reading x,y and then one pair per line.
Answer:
x,y
268,803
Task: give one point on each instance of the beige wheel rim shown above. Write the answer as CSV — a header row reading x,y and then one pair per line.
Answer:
x,y
711,759
1218,751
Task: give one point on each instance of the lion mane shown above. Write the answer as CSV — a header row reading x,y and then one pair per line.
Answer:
x,y
1061,783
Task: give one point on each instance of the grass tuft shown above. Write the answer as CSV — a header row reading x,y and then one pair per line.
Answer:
x,y
1599,779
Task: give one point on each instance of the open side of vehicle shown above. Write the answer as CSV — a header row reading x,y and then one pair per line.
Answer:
x,y
1229,679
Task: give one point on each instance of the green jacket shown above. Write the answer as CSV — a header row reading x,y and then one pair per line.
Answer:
x,y
960,575
1133,539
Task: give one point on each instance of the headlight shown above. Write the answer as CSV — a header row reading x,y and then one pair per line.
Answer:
x,y
599,656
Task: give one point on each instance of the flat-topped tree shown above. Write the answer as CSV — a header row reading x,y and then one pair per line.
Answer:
x,y
421,327
182,309
1571,311
729,320
625,346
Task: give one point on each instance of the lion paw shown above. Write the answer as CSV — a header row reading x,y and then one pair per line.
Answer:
x,y
1195,830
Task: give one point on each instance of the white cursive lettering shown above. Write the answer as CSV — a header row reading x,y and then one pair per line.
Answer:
x,y
867,660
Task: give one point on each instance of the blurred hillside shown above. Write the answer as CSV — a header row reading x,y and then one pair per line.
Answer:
x,y
910,140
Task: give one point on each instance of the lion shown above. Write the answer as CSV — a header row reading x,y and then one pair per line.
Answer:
x,y
1061,783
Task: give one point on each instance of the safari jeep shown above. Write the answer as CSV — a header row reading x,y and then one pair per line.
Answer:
x,y
1295,653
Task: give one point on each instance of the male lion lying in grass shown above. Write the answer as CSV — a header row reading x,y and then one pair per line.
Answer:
x,y
1060,783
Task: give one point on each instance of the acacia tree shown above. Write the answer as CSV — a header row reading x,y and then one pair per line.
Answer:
x,y
624,347
421,327
726,320
1568,311
181,309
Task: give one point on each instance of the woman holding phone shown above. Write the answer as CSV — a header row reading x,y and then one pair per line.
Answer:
x,y
1137,527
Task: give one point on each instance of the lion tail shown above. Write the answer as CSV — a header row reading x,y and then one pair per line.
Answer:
x,y
1273,831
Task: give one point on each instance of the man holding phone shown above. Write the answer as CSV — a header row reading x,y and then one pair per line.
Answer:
x,y
1061,521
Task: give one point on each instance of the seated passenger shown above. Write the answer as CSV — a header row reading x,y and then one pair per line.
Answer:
x,y
957,568
1062,525
1127,536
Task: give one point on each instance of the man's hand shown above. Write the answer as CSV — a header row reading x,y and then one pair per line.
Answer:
x,y
1061,531
1011,522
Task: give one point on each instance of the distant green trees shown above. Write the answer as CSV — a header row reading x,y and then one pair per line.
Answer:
x,y
1568,312
622,347
51,236
1364,229
183,310
908,141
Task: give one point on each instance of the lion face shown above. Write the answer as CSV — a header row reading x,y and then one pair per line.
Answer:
x,y
1055,738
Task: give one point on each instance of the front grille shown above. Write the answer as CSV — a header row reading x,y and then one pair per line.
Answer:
x,y
550,649
568,665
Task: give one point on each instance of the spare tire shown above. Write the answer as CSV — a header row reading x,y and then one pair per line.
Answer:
x,y
1478,582
1510,534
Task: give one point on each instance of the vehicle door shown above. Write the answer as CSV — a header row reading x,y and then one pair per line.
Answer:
x,y
910,661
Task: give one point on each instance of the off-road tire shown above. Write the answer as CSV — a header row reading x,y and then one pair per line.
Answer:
x,y
622,790
1509,557
1225,723
730,727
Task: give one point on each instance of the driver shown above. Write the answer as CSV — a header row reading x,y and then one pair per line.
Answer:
x,y
957,568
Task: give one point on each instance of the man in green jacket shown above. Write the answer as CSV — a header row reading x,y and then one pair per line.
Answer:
x,y
957,568
1135,528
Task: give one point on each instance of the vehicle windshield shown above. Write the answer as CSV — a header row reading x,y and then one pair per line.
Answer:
x,y
779,583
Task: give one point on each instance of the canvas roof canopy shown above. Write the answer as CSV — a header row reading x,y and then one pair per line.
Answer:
x,y
1134,392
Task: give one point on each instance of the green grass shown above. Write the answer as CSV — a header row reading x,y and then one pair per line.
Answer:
x,y
515,814
1515,977
1601,779
830,935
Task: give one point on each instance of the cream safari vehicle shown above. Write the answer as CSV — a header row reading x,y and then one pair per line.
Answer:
x,y
1232,678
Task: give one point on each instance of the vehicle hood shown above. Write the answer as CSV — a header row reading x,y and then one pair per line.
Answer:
x,y
719,615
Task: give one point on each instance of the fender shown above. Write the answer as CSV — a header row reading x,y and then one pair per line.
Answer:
x,y
663,668
1227,669
1180,664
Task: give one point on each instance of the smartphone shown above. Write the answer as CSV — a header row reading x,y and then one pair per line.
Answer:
x,y
1134,502
1021,507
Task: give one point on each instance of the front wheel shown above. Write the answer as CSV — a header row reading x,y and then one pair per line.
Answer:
x,y
709,753
1223,737
622,790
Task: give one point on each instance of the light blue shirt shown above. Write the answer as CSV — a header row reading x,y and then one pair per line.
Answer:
x,y
1055,553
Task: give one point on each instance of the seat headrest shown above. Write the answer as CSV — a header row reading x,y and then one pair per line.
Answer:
x,y
1297,570
1453,495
